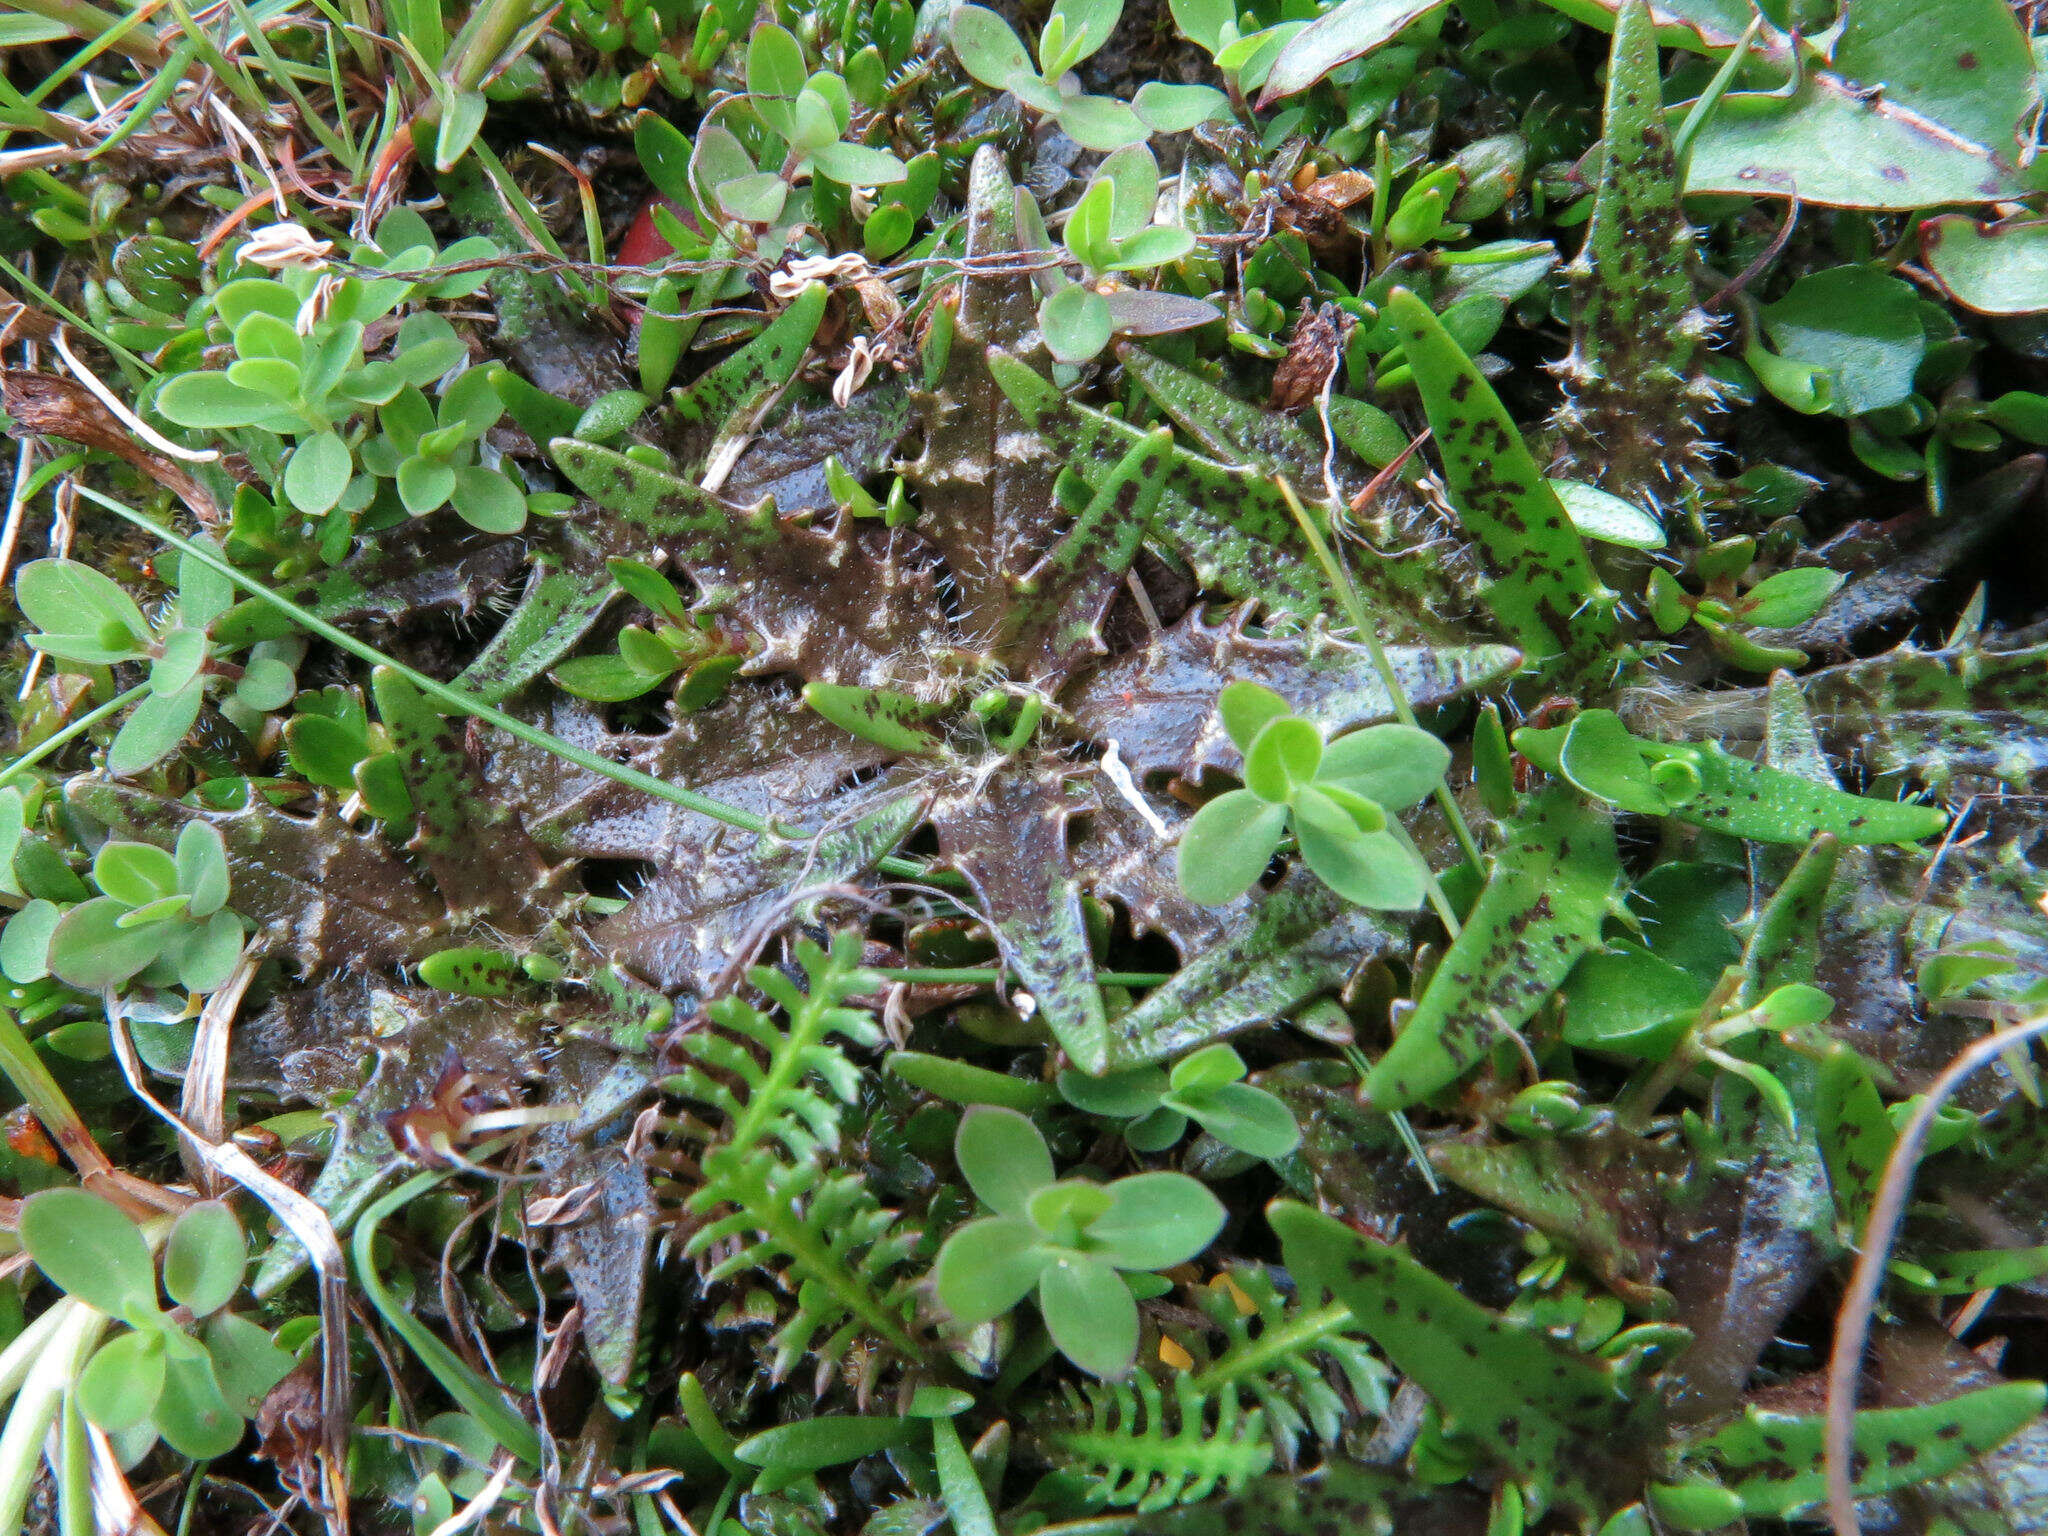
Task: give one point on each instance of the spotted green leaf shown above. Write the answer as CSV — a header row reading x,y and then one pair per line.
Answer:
x,y
1707,785
1773,1460
1631,423
1544,590
1545,1412
1540,910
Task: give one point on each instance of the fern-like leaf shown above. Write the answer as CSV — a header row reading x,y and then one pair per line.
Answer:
x,y
776,1093
1149,1452
1281,1356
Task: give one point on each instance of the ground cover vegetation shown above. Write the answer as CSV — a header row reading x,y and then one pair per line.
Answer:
x,y
1123,769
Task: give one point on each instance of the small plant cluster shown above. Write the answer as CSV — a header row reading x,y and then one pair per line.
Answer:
x,y
780,771
1334,798
192,1375
1070,1242
348,441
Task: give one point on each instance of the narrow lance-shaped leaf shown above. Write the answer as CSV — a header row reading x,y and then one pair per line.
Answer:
x,y
1546,1412
481,858
1231,526
1632,422
1010,842
739,386
557,609
1302,940
888,719
1773,1460
1711,787
1541,909
1052,617
1544,589
1393,577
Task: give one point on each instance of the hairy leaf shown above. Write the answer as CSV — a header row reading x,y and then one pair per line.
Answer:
x,y
1773,1460
1631,425
1299,940
1158,703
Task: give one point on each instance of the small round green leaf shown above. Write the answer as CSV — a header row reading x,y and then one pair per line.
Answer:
x,y
1090,1314
67,597
1210,1067
134,874
1371,869
184,653
91,1250
119,1387
1115,1095
1395,765
213,400
1166,108
193,1416
1227,846
1076,322
202,867
154,730
1791,597
603,679
1282,757
964,1083
1002,1157
246,1361
487,499
1156,1220
266,683
317,473
25,941
90,950
324,751
424,485
856,165
1247,1118
1246,709
987,48
204,1258
987,1267
1601,758
207,955
1100,122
